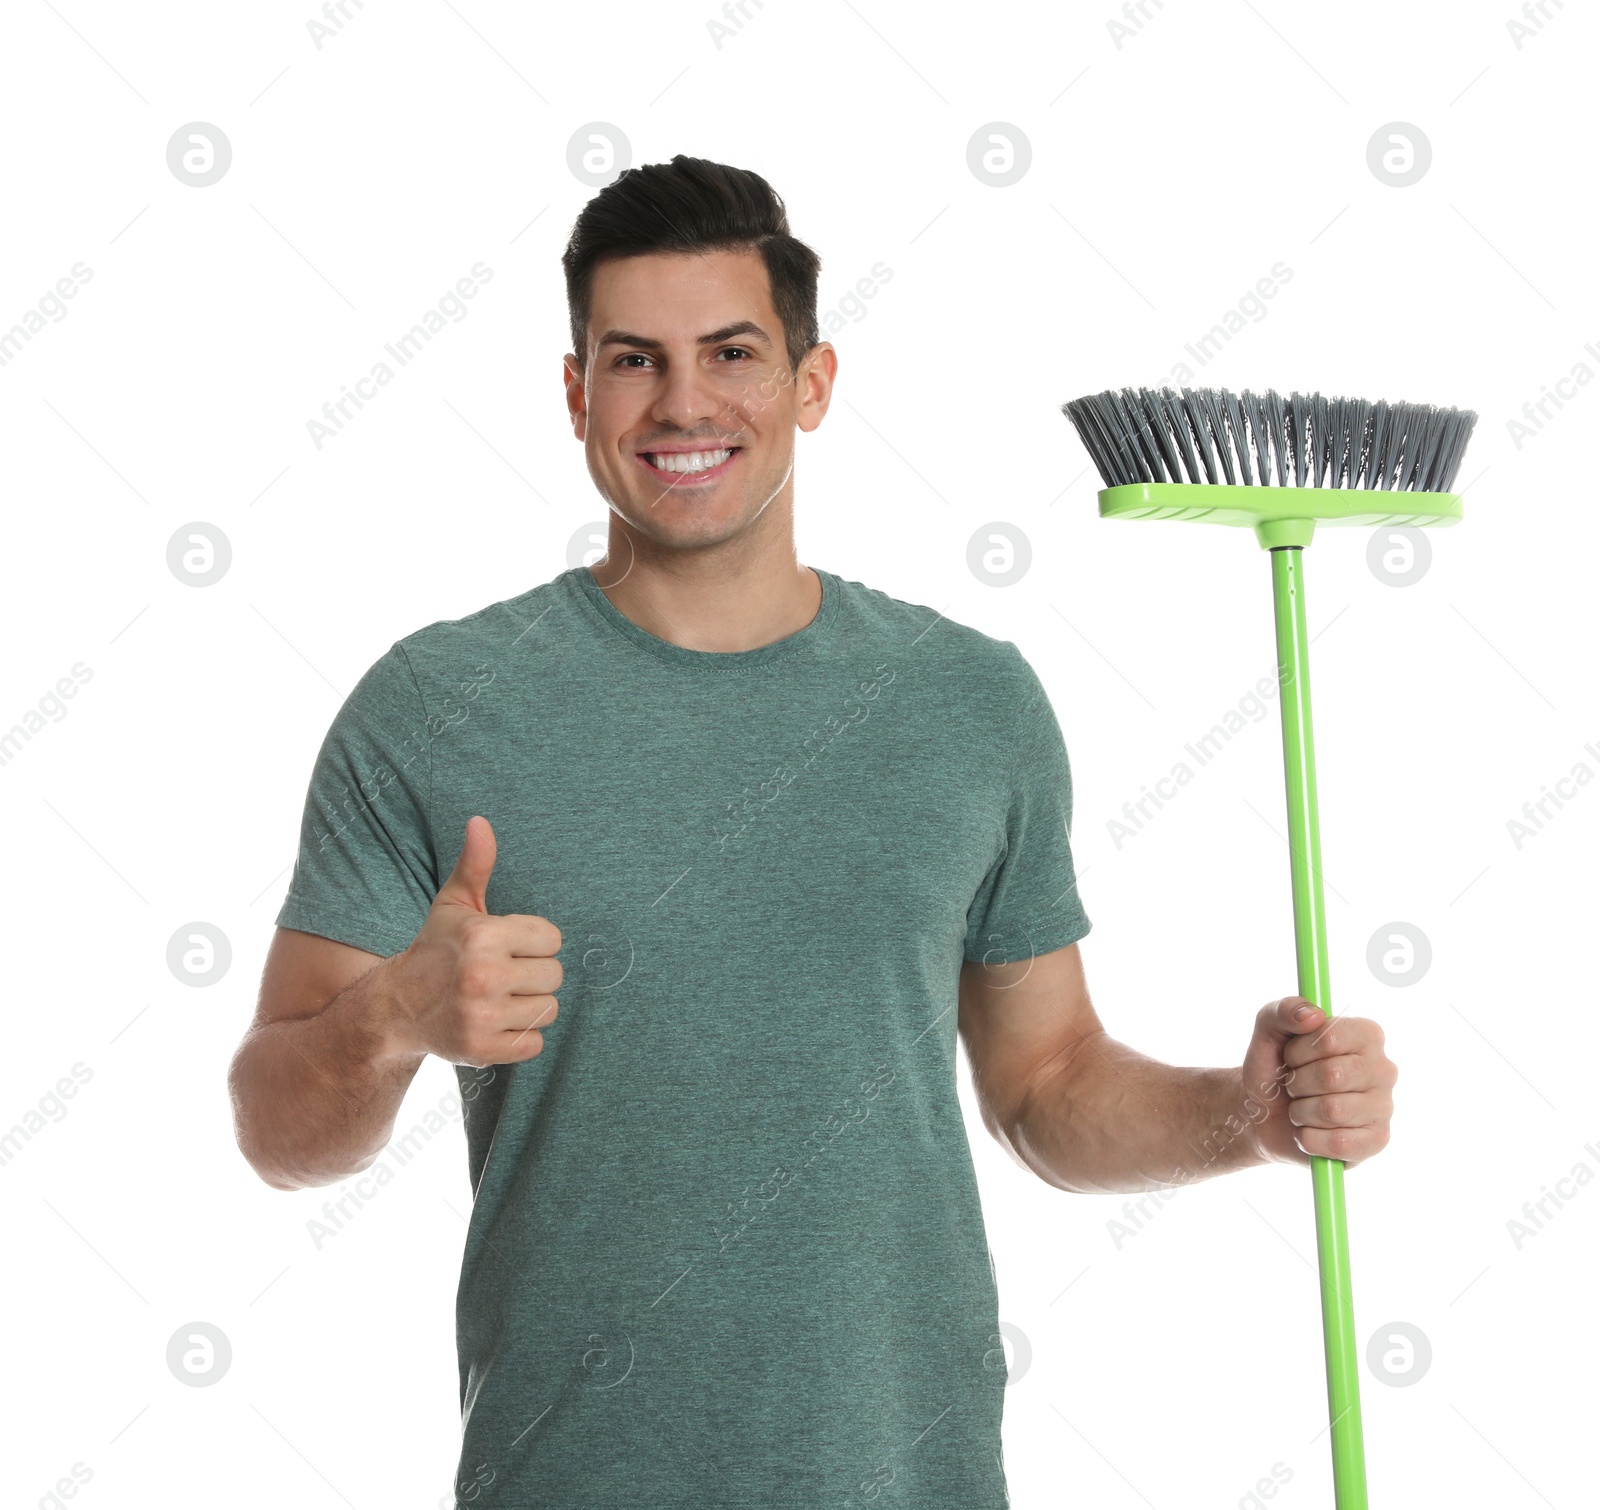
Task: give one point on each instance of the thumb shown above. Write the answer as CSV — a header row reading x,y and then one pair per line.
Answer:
x,y
1282,1020
468,884
1276,1024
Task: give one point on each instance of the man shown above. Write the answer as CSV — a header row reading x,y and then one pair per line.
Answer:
x,y
776,838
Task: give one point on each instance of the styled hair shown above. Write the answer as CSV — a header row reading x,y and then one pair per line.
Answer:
x,y
693,205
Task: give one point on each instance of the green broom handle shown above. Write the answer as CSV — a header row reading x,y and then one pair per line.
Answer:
x,y
1311,958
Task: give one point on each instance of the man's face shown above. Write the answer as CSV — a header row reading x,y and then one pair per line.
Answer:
x,y
687,408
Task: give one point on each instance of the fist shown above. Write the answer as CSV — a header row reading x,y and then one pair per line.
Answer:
x,y
474,988
1324,1082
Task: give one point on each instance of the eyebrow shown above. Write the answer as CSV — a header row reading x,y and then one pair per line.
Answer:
x,y
727,333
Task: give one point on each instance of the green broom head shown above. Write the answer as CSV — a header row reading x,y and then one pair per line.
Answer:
x,y
1276,464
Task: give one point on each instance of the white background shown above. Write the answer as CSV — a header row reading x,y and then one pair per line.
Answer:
x,y
1168,174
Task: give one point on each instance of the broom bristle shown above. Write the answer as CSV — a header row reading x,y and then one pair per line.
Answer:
x,y
1204,435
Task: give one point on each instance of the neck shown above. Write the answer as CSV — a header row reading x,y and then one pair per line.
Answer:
x,y
739,594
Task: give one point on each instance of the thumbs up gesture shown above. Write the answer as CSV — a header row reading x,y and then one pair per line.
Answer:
x,y
475,988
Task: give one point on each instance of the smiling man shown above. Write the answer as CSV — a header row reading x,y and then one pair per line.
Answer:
x,y
778,840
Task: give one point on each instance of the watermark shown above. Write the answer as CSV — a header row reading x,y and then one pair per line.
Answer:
x,y
1399,1354
884,1473
999,554
1021,1359
739,814
589,543
199,554
469,1489
356,1194
50,1107
383,775
740,1215
64,1488
52,706
1540,1213
199,1354
1398,154
1536,811
605,956
1398,954
51,306
1399,554
199,154
1553,398
851,307
736,15
1535,13
198,954
336,13
1249,309
336,413
1135,17
998,154
601,1360
597,153
1136,1216
1252,708
1266,1488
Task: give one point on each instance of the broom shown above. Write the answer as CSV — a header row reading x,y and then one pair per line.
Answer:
x,y
1163,455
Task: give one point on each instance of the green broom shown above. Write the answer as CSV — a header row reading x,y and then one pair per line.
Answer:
x,y
1342,453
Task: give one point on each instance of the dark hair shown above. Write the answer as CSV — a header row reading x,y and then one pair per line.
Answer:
x,y
692,205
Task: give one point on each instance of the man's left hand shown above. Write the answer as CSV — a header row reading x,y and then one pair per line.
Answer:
x,y
1323,1082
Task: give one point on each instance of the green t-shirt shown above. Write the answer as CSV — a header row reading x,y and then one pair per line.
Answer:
x,y
726,1247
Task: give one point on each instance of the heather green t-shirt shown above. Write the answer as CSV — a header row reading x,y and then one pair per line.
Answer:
x,y
726,1250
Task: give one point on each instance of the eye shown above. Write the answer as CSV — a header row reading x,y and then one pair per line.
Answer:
x,y
629,356
744,349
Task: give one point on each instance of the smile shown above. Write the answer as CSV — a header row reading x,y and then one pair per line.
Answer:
x,y
679,467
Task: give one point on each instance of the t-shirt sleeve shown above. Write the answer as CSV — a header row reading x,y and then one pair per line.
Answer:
x,y
366,872
1028,903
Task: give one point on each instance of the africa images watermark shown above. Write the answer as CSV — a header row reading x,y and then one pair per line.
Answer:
x,y
383,775
1540,1213
1211,1148
53,705
1536,813
1253,706
355,1194
1553,398
1249,309
51,1107
336,15
735,17
1535,14
1135,16
739,814
336,414
50,307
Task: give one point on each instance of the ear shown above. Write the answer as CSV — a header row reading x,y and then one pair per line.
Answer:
x,y
577,406
814,382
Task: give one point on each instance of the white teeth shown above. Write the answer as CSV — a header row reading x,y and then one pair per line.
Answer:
x,y
689,461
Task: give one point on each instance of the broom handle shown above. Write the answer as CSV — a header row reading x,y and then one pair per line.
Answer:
x,y
1311,958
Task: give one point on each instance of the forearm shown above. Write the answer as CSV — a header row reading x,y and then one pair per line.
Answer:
x,y
1107,1118
315,1098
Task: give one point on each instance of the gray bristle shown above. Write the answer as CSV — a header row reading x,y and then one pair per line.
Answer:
x,y
1205,435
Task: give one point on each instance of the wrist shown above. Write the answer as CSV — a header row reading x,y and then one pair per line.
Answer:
x,y
382,1010
1262,1113
1234,1120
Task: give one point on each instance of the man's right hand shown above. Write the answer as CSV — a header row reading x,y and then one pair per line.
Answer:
x,y
474,988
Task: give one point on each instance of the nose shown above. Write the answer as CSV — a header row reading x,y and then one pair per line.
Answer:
x,y
690,397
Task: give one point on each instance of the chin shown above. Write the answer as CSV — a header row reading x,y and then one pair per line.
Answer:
x,y
687,525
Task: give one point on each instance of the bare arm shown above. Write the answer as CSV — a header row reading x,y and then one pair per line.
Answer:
x,y
1089,1114
338,1033
318,1080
